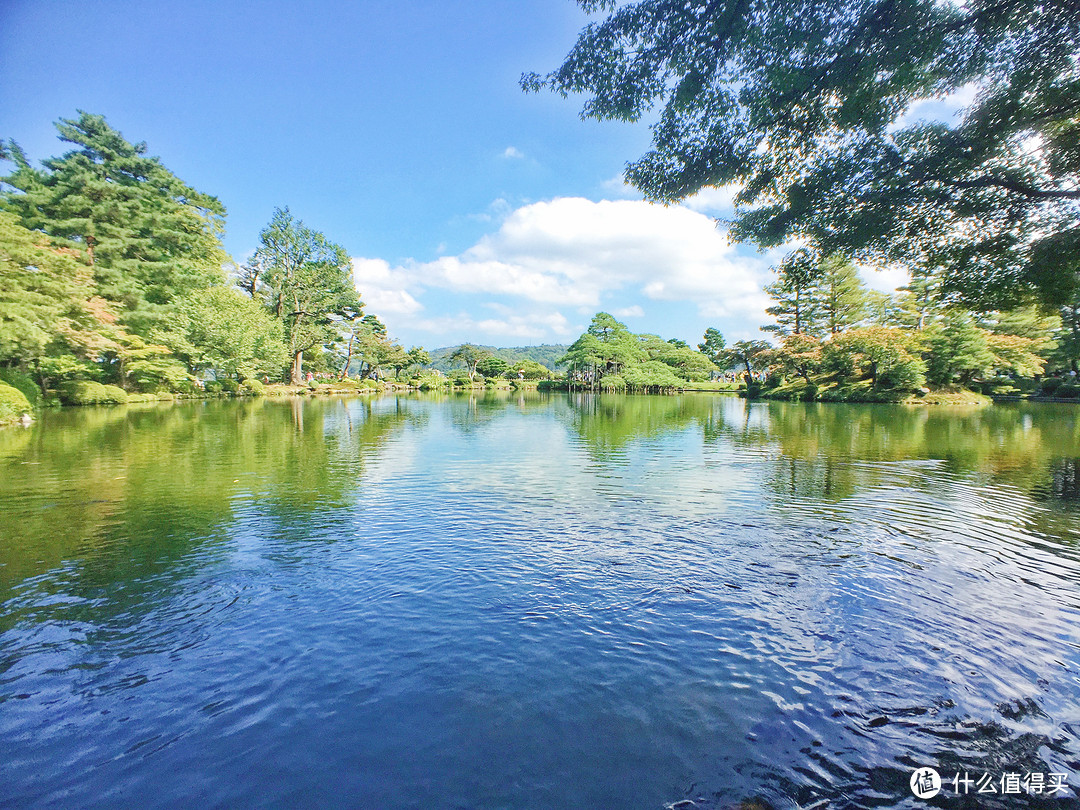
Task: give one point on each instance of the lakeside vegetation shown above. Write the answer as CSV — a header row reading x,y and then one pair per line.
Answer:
x,y
115,286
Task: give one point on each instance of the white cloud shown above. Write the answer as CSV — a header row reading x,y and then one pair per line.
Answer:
x,y
524,326
629,312
945,109
715,201
572,252
885,279
513,153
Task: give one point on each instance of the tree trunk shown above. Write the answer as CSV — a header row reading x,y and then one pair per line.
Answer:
x,y
297,377
348,358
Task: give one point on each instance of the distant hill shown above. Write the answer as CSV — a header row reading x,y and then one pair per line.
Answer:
x,y
545,355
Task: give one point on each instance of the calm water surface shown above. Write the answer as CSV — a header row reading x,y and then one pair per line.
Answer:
x,y
536,602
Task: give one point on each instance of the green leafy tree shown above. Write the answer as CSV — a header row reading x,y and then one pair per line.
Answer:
x,y
799,354
1067,353
492,366
148,236
888,357
752,355
223,330
685,362
469,355
418,356
604,349
305,281
956,350
530,369
920,301
43,293
798,307
712,344
802,104
842,294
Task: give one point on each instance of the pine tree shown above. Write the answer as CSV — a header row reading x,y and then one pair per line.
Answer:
x,y
798,309
305,280
842,294
148,236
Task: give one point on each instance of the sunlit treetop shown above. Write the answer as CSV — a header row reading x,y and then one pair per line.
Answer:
x,y
802,103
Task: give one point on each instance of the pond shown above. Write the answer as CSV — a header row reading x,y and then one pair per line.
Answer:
x,y
530,601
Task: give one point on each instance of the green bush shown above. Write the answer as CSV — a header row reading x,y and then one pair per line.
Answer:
x,y
142,398
1068,390
612,382
230,386
213,387
13,404
1051,384
23,382
429,382
368,383
252,388
88,392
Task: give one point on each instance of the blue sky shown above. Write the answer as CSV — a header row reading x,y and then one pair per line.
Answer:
x,y
474,212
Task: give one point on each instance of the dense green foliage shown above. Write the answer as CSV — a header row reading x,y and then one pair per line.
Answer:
x,y
802,105
112,271
610,357
147,236
305,281
13,404
88,392
546,355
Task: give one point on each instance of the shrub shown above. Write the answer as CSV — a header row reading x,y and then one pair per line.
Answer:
x,y
24,383
88,392
429,382
213,387
368,384
612,382
1051,384
252,388
230,386
13,404
1068,390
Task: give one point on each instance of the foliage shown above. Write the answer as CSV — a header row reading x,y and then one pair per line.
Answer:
x,y
712,344
13,404
492,366
305,281
798,300
650,376
800,355
252,388
752,355
530,369
957,350
547,355
221,329
22,381
843,295
802,104
469,355
418,356
43,292
88,392
148,236
888,357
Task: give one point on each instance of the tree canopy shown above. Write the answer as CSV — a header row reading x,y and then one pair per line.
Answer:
x,y
804,105
149,237
305,281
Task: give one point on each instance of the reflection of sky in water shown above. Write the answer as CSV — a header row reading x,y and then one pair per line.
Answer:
x,y
537,602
